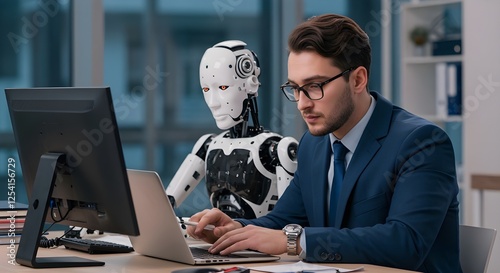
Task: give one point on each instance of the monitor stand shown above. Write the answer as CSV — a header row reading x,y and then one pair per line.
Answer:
x,y
48,167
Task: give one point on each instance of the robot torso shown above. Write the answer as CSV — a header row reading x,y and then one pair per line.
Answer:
x,y
243,168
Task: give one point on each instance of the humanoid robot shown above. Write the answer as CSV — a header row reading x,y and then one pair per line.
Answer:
x,y
246,168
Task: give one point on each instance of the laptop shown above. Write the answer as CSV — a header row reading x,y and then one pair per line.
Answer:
x,y
161,235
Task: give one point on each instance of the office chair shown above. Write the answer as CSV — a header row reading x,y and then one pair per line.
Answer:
x,y
476,244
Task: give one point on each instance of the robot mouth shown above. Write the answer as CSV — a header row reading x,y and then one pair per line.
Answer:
x,y
225,116
221,117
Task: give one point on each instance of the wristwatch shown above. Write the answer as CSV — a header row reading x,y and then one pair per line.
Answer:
x,y
292,232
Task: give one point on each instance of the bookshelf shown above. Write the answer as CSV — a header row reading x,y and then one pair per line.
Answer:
x,y
418,92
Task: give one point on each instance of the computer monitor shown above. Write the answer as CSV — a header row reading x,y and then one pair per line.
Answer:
x,y
72,162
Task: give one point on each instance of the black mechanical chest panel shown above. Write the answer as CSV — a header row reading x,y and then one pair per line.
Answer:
x,y
242,169
237,173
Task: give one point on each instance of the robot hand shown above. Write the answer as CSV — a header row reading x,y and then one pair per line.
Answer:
x,y
190,173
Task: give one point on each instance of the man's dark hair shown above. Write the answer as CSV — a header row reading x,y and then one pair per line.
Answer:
x,y
333,36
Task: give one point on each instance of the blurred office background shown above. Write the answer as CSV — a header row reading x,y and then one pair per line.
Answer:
x,y
148,52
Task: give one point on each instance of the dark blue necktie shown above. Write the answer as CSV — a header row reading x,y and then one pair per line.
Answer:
x,y
339,152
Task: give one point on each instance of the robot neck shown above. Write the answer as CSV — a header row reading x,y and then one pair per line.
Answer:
x,y
242,129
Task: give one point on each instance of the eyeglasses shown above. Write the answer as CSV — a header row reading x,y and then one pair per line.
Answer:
x,y
313,90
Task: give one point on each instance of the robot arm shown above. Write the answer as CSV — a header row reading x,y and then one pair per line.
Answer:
x,y
190,173
287,155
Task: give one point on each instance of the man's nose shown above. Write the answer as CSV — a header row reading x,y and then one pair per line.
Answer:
x,y
304,101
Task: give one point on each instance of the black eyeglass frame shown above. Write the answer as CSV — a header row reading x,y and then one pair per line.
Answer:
x,y
292,98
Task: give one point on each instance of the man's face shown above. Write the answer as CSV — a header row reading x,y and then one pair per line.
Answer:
x,y
330,113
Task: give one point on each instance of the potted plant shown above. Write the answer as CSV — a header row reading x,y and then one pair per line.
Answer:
x,y
419,36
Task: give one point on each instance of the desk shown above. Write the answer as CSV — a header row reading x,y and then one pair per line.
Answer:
x,y
133,263
483,182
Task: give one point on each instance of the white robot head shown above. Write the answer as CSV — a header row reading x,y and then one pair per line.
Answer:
x,y
229,77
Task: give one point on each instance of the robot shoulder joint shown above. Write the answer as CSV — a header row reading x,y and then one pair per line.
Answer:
x,y
200,148
287,153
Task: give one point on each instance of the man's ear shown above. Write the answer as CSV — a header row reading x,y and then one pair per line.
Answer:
x,y
358,79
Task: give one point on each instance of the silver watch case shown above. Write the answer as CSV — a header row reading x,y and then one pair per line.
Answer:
x,y
292,232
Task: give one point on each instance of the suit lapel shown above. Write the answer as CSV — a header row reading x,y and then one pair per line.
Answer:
x,y
323,155
362,156
369,144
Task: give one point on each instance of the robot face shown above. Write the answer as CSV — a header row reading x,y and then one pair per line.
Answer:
x,y
227,78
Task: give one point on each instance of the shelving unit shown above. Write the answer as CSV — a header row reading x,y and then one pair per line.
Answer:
x,y
418,72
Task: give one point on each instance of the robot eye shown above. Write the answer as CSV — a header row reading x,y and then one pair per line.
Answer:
x,y
223,87
205,89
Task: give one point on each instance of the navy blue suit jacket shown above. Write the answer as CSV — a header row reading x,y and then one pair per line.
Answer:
x,y
398,206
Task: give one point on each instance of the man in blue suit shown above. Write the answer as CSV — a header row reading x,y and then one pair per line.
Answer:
x,y
390,199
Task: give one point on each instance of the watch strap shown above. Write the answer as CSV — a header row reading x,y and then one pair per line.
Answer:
x,y
291,244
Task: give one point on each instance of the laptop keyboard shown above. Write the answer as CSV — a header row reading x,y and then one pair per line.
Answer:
x,y
201,253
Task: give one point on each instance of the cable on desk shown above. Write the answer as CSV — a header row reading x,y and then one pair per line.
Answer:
x,y
52,243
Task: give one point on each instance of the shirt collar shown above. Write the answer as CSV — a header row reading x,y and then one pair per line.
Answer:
x,y
351,139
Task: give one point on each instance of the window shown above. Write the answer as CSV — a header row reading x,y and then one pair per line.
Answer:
x,y
35,51
152,51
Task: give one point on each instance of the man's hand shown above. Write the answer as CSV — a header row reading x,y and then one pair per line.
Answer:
x,y
220,220
265,240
